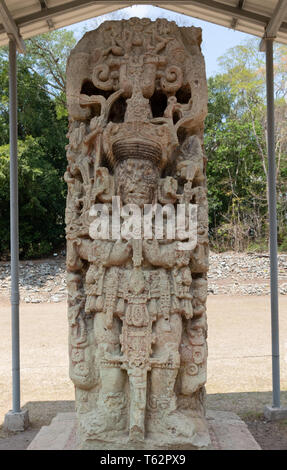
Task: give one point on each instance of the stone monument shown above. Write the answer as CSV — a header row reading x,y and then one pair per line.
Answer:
x,y
137,99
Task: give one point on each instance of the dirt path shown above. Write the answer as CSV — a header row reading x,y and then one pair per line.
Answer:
x,y
239,364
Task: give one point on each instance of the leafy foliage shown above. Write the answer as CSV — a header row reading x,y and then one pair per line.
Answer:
x,y
42,161
235,142
41,200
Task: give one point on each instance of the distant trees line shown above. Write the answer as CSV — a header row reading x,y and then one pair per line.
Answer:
x,y
235,144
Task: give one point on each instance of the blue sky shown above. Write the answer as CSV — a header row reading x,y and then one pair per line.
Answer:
x,y
216,39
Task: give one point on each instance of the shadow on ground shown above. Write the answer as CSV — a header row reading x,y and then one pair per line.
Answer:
x,y
243,403
41,414
248,406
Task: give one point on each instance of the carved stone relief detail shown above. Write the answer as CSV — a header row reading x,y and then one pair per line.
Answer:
x,y
137,99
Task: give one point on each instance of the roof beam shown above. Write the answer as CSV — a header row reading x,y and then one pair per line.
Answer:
x,y
73,5
10,26
237,12
44,6
48,13
235,20
274,24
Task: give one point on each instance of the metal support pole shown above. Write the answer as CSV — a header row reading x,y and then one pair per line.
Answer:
x,y
16,419
14,235
272,224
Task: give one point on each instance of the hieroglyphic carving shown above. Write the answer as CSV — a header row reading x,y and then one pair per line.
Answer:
x,y
137,99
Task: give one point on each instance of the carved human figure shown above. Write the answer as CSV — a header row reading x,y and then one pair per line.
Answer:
x,y
136,306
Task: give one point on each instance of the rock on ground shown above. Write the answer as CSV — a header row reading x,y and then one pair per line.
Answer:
x,y
230,273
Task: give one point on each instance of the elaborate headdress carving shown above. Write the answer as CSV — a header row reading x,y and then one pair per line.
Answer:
x,y
135,64
142,140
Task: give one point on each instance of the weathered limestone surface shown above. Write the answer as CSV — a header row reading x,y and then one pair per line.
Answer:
x,y
137,99
227,432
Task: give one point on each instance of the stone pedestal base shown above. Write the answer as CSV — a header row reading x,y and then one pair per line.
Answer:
x,y
275,414
226,430
16,421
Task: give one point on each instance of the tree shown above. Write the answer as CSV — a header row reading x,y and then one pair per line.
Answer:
x,y
41,200
37,113
236,147
47,55
42,162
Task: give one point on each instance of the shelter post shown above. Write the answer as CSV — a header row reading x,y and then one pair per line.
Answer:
x,y
16,419
274,411
14,235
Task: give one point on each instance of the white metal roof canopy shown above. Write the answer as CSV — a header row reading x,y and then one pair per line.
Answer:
x,y
32,17
26,18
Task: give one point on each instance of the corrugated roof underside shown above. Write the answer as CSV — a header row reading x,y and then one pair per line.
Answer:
x,y
207,11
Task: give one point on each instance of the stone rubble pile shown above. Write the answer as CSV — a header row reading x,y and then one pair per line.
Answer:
x,y
244,274
39,281
229,273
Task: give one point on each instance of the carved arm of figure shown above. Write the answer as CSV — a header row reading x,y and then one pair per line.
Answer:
x,y
190,161
105,252
103,189
167,256
120,253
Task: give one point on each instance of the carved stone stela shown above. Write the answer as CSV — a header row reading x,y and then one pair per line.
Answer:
x,y
137,99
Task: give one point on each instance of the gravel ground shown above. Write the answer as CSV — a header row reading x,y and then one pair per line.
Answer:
x,y
230,273
244,274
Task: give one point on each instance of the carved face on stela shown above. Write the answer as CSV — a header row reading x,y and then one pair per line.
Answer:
x,y
136,181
